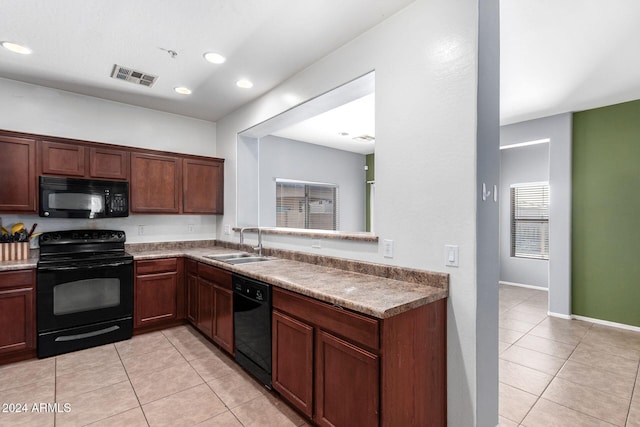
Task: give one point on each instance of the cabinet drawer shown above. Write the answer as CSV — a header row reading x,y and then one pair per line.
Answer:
x,y
19,278
218,276
153,266
352,326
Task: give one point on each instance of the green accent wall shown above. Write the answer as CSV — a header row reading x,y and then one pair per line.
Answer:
x,y
370,176
606,213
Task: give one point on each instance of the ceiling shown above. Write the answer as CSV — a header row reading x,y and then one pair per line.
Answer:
x,y
76,44
556,56
567,55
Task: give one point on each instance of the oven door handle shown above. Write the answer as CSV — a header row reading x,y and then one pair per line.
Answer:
x,y
84,266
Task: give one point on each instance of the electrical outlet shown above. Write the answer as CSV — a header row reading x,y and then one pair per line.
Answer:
x,y
387,248
190,228
227,229
315,243
140,230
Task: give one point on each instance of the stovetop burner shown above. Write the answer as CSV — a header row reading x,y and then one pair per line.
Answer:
x,y
73,246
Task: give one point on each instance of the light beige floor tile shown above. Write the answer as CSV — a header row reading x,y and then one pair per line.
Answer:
x,y
524,316
131,418
29,394
86,359
185,408
264,411
503,422
631,338
604,360
97,405
523,378
236,389
502,346
156,385
513,403
604,406
214,366
633,419
88,379
509,336
567,324
535,310
614,344
226,419
516,325
597,378
142,344
561,334
549,414
151,362
533,359
28,372
546,346
195,348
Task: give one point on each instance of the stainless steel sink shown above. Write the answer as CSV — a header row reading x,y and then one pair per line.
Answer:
x,y
238,258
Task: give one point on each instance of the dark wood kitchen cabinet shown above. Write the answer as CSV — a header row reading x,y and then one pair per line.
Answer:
x,y
83,161
18,171
159,292
210,302
202,186
155,183
341,368
17,315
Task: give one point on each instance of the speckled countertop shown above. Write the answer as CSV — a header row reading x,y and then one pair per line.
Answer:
x,y
377,290
380,297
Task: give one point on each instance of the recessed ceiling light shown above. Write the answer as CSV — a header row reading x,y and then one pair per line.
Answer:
x,y
343,133
182,90
214,58
17,48
244,84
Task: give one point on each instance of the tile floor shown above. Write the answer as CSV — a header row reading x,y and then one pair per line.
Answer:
x,y
169,378
556,372
553,372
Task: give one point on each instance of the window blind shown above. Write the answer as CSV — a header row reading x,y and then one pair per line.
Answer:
x,y
306,205
530,221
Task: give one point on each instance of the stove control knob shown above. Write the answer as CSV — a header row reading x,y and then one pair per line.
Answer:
x,y
75,236
45,238
120,235
56,236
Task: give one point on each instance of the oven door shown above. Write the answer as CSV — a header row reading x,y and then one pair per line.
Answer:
x,y
82,294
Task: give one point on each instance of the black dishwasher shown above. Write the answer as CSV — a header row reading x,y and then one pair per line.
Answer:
x,y
252,326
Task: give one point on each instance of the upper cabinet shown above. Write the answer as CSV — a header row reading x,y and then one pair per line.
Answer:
x,y
83,161
155,183
202,184
17,169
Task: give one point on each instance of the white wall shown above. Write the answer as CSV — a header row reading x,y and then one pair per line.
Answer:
x,y
290,159
559,129
520,165
426,63
39,110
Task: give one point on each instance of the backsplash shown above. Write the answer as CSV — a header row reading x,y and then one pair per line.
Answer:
x,y
139,228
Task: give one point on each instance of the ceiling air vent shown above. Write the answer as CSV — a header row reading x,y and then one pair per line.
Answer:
x,y
134,76
364,138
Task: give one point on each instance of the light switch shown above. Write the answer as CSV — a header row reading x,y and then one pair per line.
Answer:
x,y
387,248
451,255
227,229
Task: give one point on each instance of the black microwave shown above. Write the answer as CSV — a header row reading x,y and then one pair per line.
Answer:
x,y
83,198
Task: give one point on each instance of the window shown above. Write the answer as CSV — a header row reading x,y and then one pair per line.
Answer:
x,y
530,220
306,205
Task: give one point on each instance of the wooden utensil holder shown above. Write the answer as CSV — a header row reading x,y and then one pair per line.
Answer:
x,y
14,251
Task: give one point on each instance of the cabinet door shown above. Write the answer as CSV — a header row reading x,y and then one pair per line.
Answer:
x,y
155,298
346,384
202,184
223,318
108,164
62,159
17,311
205,307
292,355
155,183
192,298
18,171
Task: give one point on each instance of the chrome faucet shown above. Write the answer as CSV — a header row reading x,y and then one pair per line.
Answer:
x,y
259,230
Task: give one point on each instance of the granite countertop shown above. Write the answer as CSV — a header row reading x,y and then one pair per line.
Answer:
x,y
376,296
349,286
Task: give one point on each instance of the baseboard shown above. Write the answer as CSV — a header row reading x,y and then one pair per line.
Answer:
x,y
522,285
607,323
559,315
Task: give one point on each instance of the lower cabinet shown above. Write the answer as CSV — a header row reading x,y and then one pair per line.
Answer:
x,y
17,313
210,302
159,292
344,369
